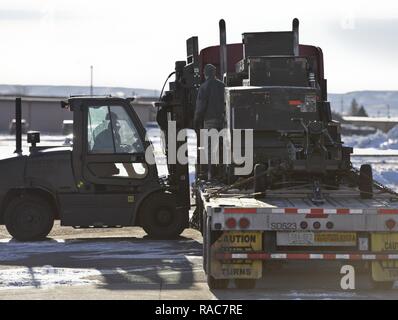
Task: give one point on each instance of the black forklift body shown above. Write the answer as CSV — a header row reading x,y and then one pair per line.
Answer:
x,y
93,183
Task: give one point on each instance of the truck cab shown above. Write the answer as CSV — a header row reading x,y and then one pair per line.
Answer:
x,y
102,180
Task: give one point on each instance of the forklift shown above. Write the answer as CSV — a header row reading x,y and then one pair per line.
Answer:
x,y
101,181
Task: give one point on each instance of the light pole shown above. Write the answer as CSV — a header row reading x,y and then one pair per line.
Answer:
x,y
91,81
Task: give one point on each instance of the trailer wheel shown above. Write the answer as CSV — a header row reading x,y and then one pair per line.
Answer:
x,y
159,217
245,284
29,218
209,238
217,284
366,181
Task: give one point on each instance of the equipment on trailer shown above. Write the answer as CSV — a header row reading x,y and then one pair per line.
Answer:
x,y
303,200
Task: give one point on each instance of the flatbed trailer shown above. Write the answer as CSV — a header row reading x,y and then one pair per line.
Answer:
x,y
243,234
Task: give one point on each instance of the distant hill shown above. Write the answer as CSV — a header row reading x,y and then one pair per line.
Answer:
x,y
66,91
375,102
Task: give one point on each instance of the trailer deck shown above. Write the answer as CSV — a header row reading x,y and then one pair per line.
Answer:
x,y
243,233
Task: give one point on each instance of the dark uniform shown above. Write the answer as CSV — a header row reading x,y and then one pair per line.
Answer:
x,y
210,105
210,110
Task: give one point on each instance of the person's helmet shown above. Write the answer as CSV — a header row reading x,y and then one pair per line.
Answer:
x,y
210,71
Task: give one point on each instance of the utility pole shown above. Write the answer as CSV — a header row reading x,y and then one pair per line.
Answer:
x,y
342,105
91,81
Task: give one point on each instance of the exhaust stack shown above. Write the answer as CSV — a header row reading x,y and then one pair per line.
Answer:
x,y
18,126
296,48
223,50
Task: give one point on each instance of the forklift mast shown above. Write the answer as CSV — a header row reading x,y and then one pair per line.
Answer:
x,y
178,104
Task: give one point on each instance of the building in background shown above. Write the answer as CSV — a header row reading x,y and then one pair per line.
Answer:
x,y
41,108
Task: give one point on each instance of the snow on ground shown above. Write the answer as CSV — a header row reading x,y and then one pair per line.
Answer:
x,y
381,151
376,141
45,277
14,250
88,253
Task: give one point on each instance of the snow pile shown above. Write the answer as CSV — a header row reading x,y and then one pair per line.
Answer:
x,y
378,140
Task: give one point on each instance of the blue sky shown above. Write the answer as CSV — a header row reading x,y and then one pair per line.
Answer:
x,y
135,43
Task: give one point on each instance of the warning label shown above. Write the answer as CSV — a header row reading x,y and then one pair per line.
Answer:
x,y
237,242
385,270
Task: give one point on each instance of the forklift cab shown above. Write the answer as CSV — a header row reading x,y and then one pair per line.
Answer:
x,y
108,161
109,142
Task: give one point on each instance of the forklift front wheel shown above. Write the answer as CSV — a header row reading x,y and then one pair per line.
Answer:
x,y
29,218
160,218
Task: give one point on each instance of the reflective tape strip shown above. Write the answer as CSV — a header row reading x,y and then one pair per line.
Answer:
x,y
298,256
343,211
278,256
316,256
342,256
368,257
330,211
304,211
314,212
305,256
387,211
279,211
239,256
240,210
317,212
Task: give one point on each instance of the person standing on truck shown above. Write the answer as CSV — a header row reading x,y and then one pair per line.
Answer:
x,y
209,109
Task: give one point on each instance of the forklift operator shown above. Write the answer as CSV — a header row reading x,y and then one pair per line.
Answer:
x,y
103,142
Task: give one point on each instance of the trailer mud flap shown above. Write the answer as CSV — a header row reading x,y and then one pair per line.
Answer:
x,y
239,269
385,270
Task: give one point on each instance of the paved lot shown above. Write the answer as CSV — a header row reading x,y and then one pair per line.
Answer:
x,y
124,264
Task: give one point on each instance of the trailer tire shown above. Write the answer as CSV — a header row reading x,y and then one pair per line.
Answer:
x,y
29,218
366,181
160,218
245,284
208,239
217,284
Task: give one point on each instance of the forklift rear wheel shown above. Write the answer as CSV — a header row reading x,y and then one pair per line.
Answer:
x,y
29,218
366,181
243,284
217,284
160,218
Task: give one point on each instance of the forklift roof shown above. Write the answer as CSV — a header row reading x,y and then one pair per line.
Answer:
x,y
71,102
